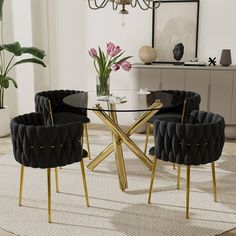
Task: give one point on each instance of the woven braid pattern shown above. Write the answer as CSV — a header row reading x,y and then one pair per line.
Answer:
x,y
192,101
56,98
199,142
38,146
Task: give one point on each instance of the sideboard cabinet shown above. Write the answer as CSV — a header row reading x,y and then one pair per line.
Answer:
x,y
215,84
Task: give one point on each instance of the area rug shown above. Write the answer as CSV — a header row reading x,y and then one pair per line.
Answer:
x,y
111,211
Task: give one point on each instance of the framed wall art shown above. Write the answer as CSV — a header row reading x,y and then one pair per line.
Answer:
x,y
175,30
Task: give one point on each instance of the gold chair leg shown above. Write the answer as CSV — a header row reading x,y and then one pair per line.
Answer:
x,y
56,180
87,140
21,184
49,194
187,191
214,180
173,166
147,137
152,179
84,182
178,177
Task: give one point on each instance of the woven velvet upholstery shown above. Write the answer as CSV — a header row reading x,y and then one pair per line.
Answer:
x,y
40,146
58,107
191,99
198,142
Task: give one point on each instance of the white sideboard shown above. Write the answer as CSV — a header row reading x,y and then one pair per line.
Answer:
x,y
215,84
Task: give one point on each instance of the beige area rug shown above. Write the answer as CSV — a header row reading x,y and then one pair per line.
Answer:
x,y
113,212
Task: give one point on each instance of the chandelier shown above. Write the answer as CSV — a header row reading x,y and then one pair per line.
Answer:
x,y
143,4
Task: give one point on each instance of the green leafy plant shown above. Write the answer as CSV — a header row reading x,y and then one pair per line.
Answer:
x,y
16,51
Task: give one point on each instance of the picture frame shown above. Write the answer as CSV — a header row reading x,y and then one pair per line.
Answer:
x,y
173,23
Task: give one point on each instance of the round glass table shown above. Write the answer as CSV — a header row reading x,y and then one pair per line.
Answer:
x,y
122,101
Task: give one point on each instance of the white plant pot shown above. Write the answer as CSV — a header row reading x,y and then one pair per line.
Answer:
x,y
4,122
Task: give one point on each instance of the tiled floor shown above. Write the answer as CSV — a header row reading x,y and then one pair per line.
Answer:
x,y
5,144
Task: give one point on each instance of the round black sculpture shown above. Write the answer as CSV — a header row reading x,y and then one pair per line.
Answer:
x,y
178,51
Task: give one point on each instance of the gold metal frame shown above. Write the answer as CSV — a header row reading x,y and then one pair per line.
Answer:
x,y
49,195
187,184
87,140
49,187
56,180
147,137
21,184
120,136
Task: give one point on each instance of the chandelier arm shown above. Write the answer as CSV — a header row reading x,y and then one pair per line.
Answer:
x,y
102,5
148,5
133,4
114,5
140,5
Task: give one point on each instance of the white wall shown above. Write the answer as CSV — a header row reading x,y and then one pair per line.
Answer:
x,y
10,93
217,28
73,28
72,44
24,72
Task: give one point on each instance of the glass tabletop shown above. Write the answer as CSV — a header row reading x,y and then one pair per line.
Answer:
x,y
124,100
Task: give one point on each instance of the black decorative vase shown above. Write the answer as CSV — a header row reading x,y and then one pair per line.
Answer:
x,y
225,59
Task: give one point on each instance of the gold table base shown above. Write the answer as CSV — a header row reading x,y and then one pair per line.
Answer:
x,y
119,136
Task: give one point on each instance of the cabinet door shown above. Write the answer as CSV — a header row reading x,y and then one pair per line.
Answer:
x,y
173,79
221,93
198,81
150,79
233,108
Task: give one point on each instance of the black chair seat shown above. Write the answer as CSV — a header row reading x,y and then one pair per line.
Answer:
x,y
68,117
169,117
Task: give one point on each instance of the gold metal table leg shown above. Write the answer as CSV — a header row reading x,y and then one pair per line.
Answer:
x,y
118,151
126,140
136,125
147,137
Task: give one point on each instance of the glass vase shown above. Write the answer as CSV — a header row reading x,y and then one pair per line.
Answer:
x,y
103,85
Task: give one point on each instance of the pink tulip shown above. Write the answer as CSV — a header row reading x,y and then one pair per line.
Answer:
x,y
115,51
110,47
115,67
92,52
126,66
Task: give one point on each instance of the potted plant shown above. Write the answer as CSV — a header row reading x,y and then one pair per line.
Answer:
x,y
16,51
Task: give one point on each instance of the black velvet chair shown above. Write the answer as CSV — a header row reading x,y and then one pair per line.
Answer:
x,y
195,143
50,103
178,113
39,146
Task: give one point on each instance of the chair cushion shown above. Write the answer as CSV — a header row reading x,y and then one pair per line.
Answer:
x,y
169,117
67,117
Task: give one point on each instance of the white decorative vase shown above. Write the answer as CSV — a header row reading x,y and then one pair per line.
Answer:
x,y
5,122
147,54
